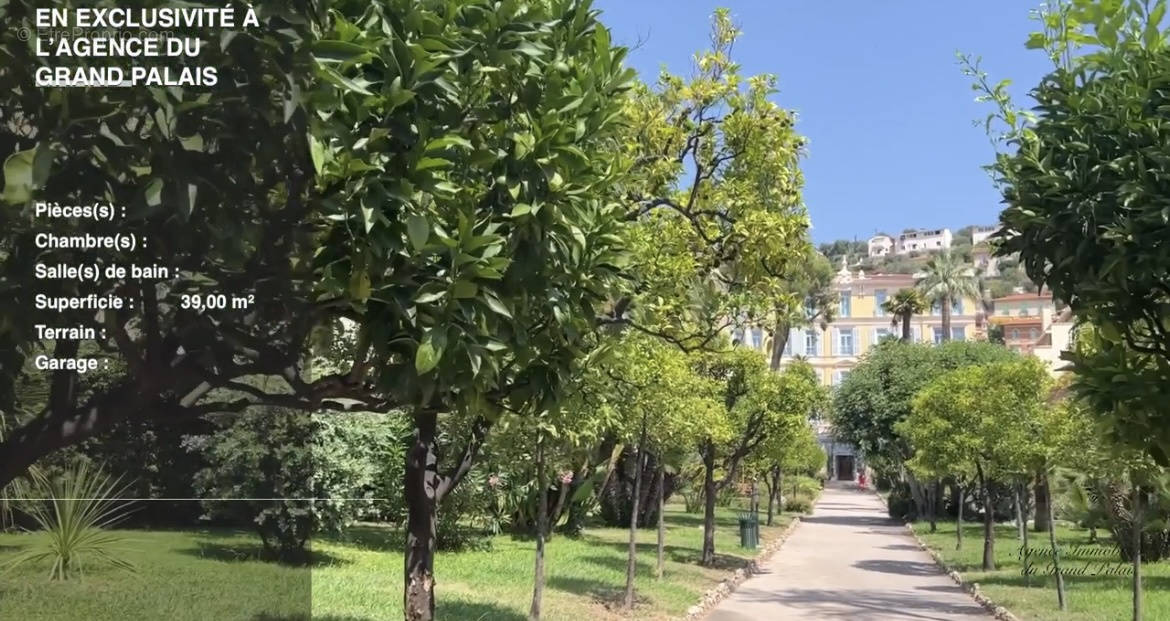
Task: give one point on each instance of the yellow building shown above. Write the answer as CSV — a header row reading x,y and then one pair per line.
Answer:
x,y
861,323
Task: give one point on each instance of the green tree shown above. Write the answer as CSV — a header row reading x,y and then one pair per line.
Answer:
x,y
948,279
809,300
877,395
1083,181
905,304
986,417
756,403
717,216
216,180
667,407
790,450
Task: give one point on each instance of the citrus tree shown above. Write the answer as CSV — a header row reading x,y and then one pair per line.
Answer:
x,y
986,417
1083,179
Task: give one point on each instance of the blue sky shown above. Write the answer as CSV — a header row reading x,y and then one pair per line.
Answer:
x,y
878,93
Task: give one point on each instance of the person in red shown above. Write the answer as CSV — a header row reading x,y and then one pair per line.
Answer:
x,y
861,480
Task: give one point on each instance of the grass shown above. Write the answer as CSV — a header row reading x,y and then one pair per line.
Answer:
x,y
216,574
1095,595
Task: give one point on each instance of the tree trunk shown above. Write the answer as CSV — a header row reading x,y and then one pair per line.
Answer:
x,y
709,491
932,505
988,521
632,554
917,494
1021,519
555,515
1050,521
906,327
779,342
1137,550
959,519
661,522
541,529
773,482
420,486
946,317
1040,524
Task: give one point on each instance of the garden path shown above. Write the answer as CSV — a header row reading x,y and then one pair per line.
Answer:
x,y
848,560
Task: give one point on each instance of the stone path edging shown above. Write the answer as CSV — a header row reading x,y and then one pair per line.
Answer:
x,y
971,588
728,586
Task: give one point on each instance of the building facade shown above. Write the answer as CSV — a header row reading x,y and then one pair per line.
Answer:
x,y
881,245
1024,318
981,234
924,240
861,323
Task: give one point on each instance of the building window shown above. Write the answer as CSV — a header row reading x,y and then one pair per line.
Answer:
x,y
846,303
958,334
839,376
810,344
879,334
757,338
957,307
938,335
737,336
1033,333
810,309
879,298
792,334
845,341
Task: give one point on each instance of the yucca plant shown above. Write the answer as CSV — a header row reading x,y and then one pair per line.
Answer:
x,y
74,509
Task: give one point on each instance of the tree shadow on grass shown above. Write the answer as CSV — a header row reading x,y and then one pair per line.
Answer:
x,y
473,611
678,554
612,596
245,552
307,617
372,538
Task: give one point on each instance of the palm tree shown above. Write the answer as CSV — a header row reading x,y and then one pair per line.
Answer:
x,y
948,278
905,304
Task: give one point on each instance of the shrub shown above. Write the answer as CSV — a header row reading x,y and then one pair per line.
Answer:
x,y
74,508
293,474
798,504
900,503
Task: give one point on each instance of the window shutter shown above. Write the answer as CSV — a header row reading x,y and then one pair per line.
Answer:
x,y
834,338
856,342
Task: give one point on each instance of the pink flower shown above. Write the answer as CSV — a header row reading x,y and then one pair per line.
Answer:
x,y
494,481
567,477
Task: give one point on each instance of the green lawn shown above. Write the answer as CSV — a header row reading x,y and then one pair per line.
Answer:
x,y
1101,597
215,574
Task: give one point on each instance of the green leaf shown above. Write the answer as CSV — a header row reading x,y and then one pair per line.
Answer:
x,y
464,289
418,230
18,176
427,163
154,192
359,285
399,95
427,298
496,304
451,140
427,357
339,51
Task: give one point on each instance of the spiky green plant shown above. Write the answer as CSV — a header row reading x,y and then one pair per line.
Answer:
x,y
74,510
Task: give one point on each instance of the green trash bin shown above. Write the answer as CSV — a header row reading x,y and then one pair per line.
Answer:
x,y
749,531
